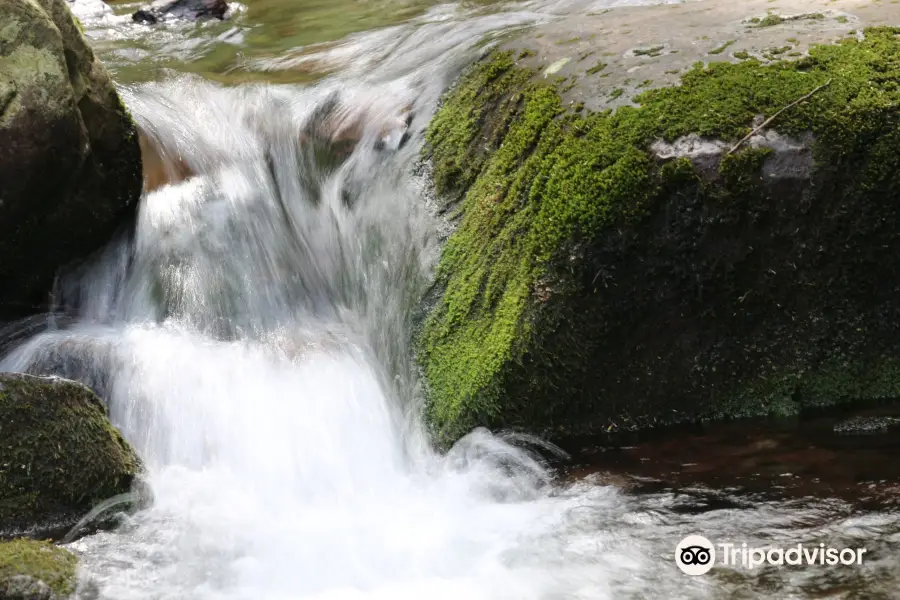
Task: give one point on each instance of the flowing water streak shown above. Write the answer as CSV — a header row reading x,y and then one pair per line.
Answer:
x,y
250,336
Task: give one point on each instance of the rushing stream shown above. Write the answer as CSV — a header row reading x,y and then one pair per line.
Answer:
x,y
251,338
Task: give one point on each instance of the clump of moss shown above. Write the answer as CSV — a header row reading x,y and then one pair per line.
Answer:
x,y
60,454
41,561
462,130
722,48
774,52
616,94
596,68
507,343
525,53
652,51
773,19
741,55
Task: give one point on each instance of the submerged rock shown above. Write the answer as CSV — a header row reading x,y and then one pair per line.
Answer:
x,y
59,455
70,169
191,10
680,257
33,570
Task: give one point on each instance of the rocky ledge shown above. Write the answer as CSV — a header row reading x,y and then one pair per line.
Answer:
x,y
669,213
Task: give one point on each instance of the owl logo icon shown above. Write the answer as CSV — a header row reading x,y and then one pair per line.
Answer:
x,y
695,555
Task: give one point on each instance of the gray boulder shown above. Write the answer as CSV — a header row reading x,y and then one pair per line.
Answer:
x,y
70,165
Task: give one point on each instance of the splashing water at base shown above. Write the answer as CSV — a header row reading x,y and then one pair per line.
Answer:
x,y
251,340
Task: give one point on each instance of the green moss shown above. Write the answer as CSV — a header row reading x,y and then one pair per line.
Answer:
x,y
741,55
463,128
537,183
722,48
616,94
652,51
42,561
526,53
60,455
772,19
785,392
773,53
596,68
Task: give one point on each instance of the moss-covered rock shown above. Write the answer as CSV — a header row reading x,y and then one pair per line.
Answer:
x,y
33,570
70,168
626,268
59,455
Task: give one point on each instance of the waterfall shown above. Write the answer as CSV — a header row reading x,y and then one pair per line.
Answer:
x,y
251,335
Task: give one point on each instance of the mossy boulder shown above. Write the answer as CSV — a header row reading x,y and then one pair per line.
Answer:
x,y
70,167
59,455
637,266
36,570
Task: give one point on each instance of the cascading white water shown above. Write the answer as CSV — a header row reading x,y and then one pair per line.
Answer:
x,y
251,339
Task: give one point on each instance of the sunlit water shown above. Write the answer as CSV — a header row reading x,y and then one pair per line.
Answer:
x,y
251,336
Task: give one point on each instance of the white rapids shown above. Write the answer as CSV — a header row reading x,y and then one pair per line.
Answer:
x,y
251,338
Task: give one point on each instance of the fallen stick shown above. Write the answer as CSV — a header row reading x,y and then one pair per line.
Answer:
x,y
772,118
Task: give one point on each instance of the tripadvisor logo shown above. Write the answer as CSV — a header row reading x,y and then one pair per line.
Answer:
x,y
696,555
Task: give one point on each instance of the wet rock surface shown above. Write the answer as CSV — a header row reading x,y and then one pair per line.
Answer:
x,y
69,157
609,56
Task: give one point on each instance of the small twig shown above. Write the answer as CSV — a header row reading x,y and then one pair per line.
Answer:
x,y
772,118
